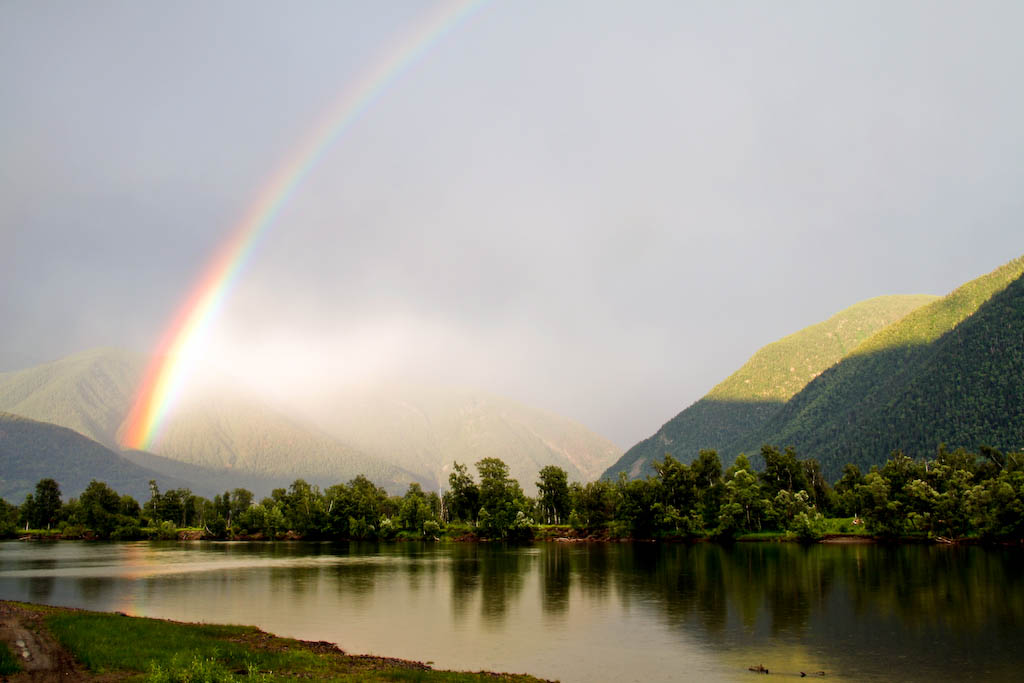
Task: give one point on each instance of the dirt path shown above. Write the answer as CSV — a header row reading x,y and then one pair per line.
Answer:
x,y
42,658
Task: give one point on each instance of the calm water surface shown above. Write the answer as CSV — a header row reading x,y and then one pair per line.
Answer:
x,y
577,612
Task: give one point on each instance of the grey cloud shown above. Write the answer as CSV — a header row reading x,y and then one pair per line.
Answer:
x,y
599,208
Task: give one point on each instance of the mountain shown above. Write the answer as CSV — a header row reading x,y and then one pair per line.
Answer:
x,y
753,394
238,435
89,392
425,429
32,450
227,437
221,436
949,372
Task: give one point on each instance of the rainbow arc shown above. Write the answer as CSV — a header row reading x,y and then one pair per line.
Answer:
x,y
164,377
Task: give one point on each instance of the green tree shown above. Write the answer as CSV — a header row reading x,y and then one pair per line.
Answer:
x,y
996,506
47,504
501,499
27,511
744,506
882,515
303,508
822,496
101,508
241,500
414,510
920,509
635,507
848,503
676,486
707,473
367,500
553,490
593,504
8,519
463,495
782,471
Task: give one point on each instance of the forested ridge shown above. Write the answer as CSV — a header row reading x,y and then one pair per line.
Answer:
x,y
755,392
947,372
32,450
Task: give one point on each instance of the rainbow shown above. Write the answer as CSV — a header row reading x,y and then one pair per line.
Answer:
x,y
164,377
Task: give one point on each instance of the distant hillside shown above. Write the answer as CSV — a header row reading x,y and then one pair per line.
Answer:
x,y
220,480
392,438
92,392
948,372
425,429
234,435
89,392
757,391
32,450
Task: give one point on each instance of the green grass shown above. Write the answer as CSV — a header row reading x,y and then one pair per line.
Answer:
x,y
771,535
106,642
171,651
8,662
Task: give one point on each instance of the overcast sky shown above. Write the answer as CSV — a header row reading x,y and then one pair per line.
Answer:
x,y
600,208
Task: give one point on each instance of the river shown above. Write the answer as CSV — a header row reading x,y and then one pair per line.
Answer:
x,y
575,612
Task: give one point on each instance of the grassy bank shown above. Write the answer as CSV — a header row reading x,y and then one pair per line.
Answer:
x,y
113,646
8,662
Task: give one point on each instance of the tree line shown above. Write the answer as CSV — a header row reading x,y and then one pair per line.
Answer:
x,y
954,495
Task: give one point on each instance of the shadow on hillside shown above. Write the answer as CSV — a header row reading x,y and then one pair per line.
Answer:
x,y
962,390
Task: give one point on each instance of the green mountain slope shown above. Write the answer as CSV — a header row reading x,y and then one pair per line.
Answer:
x,y
32,450
948,372
425,429
753,394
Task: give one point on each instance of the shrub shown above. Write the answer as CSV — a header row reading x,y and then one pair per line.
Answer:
x,y
431,529
129,532
387,530
167,531
808,526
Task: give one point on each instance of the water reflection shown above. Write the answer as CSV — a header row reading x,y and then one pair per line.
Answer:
x,y
465,578
40,588
94,588
574,611
556,570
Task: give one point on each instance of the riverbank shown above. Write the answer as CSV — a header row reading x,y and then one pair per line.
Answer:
x,y
63,644
836,530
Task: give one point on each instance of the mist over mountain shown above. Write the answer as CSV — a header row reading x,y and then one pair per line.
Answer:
x,y
90,392
219,435
424,429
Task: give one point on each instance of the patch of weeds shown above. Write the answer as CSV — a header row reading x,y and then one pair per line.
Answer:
x,y
8,662
182,669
